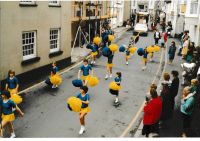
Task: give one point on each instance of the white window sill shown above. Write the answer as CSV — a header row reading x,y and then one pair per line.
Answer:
x,y
54,5
191,15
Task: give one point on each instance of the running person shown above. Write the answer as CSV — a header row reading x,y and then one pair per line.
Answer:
x,y
109,66
85,98
87,71
8,107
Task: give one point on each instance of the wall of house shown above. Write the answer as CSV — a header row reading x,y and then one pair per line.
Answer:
x,y
15,19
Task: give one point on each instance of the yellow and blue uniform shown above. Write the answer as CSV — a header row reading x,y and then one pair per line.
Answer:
x,y
127,53
118,80
110,61
55,78
12,84
94,50
84,107
145,56
55,69
7,111
86,71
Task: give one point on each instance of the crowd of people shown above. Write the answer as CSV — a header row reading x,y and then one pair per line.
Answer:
x,y
159,108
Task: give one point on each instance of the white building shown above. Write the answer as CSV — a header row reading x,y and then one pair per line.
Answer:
x,y
192,20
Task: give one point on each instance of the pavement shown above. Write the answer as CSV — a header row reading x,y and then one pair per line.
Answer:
x,y
47,115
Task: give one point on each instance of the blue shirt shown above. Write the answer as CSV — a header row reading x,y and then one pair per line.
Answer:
x,y
110,59
127,52
145,54
118,80
86,69
7,107
84,98
55,69
95,48
12,83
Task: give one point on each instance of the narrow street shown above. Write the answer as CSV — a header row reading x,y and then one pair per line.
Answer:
x,y
46,109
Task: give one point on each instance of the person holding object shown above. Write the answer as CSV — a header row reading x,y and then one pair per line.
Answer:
x,y
87,71
8,107
85,98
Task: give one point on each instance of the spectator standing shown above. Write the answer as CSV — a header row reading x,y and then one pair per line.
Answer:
x,y
157,36
152,112
174,86
187,108
191,49
166,99
171,52
185,47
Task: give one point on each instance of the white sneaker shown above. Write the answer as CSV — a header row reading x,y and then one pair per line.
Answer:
x,y
110,75
12,135
106,76
53,86
82,130
126,63
116,100
91,62
94,62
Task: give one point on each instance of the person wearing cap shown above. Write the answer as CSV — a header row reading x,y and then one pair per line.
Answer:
x,y
85,109
8,107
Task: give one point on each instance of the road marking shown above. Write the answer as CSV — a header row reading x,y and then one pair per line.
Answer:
x,y
141,107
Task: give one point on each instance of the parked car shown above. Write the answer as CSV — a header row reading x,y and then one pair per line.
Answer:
x,y
140,28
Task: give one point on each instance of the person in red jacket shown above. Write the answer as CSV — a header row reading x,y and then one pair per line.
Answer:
x,y
152,113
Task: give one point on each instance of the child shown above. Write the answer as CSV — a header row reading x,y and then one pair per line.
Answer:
x,y
127,54
109,66
151,55
12,84
85,98
118,80
94,53
145,59
87,71
55,79
8,108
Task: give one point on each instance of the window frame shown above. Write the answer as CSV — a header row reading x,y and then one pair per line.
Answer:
x,y
55,4
33,2
30,56
58,40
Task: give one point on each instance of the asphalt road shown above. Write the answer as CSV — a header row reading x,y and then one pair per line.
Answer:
x,y
47,115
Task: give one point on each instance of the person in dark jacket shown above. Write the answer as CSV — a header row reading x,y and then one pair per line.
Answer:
x,y
157,36
174,86
166,99
171,52
152,113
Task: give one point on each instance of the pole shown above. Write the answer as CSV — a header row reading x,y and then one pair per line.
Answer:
x,y
89,21
75,39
